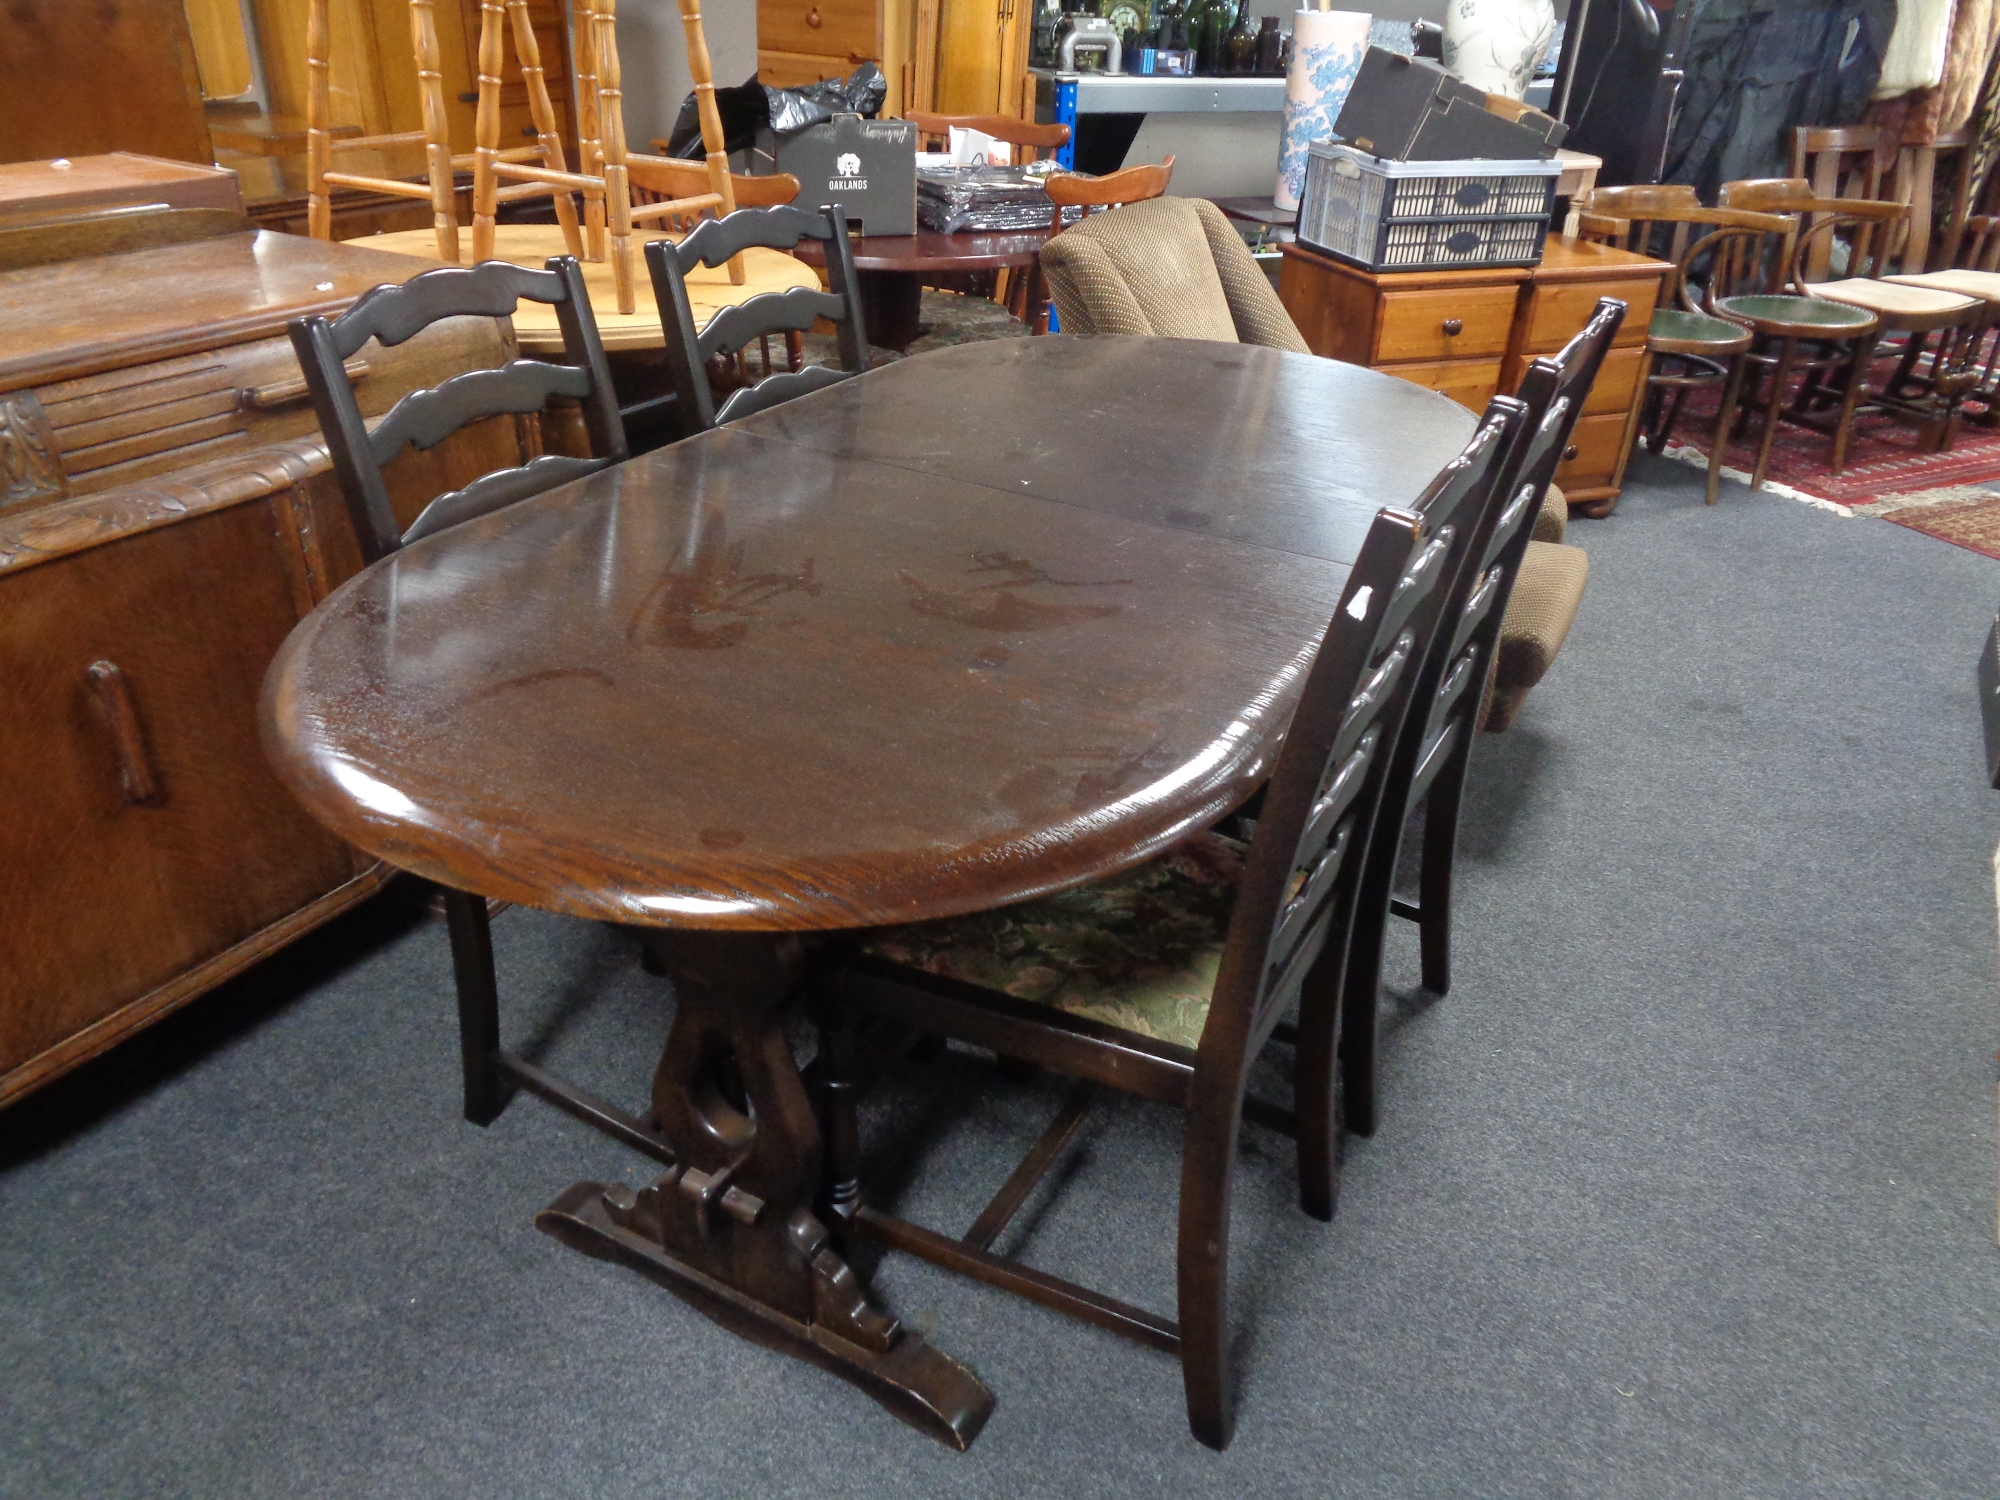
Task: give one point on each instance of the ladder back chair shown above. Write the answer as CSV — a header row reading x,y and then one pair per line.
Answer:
x,y
1875,232
1429,758
689,352
1277,913
425,418
1218,941
1717,252
323,145
1840,161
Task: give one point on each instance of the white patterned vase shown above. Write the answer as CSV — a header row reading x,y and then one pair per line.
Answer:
x,y
1495,44
1327,47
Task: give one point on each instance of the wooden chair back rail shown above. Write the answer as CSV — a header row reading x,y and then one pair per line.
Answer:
x,y
1035,139
1433,749
1879,228
1979,246
435,137
1632,218
1825,156
391,314
1131,185
719,241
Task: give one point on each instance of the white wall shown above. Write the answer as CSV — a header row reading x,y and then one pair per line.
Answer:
x,y
653,51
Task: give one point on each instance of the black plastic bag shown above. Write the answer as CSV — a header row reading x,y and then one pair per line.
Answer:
x,y
752,106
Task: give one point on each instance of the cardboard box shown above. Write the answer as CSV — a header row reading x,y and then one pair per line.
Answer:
x,y
868,167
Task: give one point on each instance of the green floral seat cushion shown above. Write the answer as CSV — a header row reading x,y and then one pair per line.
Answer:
x,y
1139,950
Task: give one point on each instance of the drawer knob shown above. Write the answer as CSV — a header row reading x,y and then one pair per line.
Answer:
x,y
1453,327
1569,452
813,18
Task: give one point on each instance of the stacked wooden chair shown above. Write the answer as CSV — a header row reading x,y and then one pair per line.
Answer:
x,y
322,145
603,172
603,176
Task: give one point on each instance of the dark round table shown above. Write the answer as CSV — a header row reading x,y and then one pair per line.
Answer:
x,y
895,268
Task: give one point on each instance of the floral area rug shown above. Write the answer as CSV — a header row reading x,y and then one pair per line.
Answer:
x,y
947,318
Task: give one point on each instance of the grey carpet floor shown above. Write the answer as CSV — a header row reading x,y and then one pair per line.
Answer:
x,y
1686,1189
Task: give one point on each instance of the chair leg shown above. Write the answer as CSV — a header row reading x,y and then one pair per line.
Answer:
x,y
1771,409
478,1005
1434,880
1316,1091
1731,394
1850,398
1203,1263
1361,985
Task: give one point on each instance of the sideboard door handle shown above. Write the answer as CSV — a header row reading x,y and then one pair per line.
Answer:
x,y
1453,327
285,392
114,702
1569,452
813,18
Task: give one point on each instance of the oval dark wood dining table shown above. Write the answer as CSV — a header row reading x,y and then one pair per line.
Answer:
x,y
968,628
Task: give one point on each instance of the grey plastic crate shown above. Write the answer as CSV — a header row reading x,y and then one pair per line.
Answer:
x,y
1425,215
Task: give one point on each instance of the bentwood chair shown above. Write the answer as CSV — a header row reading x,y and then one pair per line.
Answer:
x,y
423,419
1167,980
1687,346
690,353
1430,753
1872,234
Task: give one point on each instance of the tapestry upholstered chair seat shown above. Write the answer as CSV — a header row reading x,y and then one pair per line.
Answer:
x,y
1139,950
1168,267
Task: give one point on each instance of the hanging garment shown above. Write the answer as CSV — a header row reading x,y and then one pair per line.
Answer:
x,y
1756,68
1915,59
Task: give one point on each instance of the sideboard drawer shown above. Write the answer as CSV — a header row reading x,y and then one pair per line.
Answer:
x,y
1617,379
1557,311
1597,443
1469,382
1468,324
147,420
821,28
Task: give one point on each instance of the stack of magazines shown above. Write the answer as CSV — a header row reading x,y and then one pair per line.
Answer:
x,y
950,199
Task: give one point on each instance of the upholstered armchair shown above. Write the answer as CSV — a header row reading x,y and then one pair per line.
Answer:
x,y
1169,267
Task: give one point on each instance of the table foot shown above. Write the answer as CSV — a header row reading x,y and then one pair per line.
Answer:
x,y
844,1334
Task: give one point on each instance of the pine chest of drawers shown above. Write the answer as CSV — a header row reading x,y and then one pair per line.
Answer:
x,y
167,514
1469,334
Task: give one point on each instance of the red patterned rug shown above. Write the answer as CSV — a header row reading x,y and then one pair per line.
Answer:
x,y
1885,456
1889,473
